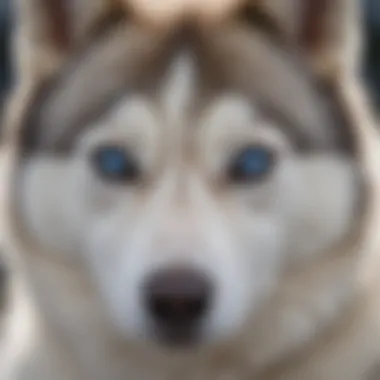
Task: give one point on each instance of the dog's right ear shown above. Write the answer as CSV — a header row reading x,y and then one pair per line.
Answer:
x,y
329,32
47,31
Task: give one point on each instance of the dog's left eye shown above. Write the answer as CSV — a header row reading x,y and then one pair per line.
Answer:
x,y
115,163
251,164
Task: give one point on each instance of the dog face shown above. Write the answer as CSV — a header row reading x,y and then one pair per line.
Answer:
x,y
183,179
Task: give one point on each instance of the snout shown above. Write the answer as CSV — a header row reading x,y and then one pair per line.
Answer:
x,y
177,302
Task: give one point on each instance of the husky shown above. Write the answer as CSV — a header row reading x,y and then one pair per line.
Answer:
x,y
194,197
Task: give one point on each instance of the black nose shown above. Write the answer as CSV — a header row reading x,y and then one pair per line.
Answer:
x,y
178,299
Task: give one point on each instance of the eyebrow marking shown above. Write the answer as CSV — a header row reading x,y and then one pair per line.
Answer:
x,y
227,59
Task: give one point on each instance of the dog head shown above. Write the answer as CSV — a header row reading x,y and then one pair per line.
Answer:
x,y
180,184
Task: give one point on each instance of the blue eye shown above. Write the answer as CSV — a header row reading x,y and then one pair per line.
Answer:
x,y
251,164
114,163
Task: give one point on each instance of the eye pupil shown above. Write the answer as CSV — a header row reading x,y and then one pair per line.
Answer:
x,y
251,164
114,163
254,161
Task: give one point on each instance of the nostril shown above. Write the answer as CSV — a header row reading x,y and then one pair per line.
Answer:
x,y
177,309
178,297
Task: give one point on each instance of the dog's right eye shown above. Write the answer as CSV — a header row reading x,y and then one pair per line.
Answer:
x,y
251,164
115,164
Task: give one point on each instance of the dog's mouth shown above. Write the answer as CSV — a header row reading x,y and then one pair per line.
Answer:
x,y
178,336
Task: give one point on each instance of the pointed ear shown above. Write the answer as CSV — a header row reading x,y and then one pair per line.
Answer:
x,y
48,30
328,31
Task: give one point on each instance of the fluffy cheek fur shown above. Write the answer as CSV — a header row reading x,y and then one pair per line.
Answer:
x,y
243,239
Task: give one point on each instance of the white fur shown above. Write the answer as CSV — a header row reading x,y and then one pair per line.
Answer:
x,y
259,244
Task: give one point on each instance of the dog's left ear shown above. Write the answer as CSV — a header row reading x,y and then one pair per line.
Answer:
x,y
48,31
327,31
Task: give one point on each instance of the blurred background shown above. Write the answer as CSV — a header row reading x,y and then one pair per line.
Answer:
x,y
371,63
5,30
